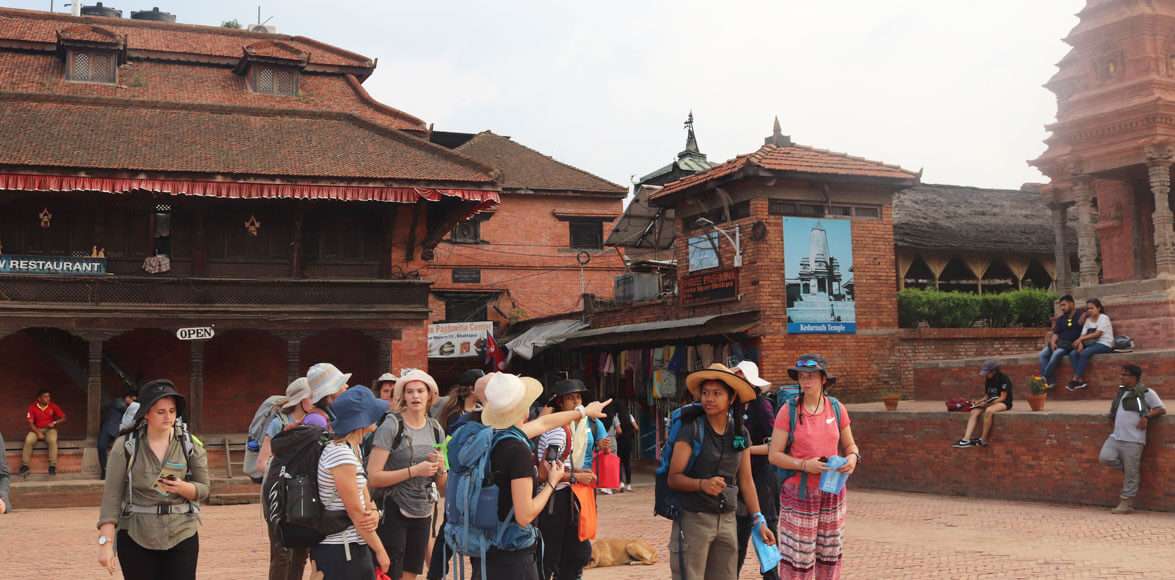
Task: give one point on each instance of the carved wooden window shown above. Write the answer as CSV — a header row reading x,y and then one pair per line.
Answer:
x,y
91,66
275,80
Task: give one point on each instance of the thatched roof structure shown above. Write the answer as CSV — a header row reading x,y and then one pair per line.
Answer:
x,y
975,220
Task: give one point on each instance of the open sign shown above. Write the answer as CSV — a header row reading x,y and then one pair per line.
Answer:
x,y
197,333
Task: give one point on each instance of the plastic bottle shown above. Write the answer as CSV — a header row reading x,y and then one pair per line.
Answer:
x,y
833,481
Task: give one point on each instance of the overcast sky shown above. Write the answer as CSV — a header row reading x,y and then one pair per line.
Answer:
x,y
949,86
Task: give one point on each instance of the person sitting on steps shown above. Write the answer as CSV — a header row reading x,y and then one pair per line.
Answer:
x,y
1097,337
997,399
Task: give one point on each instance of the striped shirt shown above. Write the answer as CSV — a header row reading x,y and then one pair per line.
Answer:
x,y
334,455
556,436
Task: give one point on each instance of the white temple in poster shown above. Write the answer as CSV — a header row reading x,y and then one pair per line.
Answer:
x,y
818,258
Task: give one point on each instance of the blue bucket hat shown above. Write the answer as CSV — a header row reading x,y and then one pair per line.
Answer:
x,y
355,409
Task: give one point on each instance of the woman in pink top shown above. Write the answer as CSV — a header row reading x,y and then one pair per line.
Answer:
x,y
811,522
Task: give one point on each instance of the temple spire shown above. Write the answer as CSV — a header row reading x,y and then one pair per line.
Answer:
x,y
777,137
691,140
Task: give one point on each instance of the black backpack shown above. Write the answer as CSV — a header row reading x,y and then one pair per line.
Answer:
x,y
290,494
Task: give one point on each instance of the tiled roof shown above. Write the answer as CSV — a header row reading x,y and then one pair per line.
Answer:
x,y
88,33
793,159
523,168
165,37
277,49
111,134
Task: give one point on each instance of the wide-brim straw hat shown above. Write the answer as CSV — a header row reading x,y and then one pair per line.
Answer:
x,y
508,399
325,379
721,373
298,391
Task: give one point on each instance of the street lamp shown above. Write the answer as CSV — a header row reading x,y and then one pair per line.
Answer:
x,y
735,241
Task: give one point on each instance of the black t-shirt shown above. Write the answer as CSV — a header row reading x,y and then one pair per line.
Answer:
x,y
511,459
1067,328
759,421
717,457
998,384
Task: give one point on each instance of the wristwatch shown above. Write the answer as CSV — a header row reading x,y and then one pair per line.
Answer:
x,y
103,540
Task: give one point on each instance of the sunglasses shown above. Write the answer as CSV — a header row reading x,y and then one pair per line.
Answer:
x,y
808,363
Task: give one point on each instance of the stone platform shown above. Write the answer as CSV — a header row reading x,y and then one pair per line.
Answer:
x,y
1044,456
942,380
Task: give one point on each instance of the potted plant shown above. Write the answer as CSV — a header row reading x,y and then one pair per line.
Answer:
x,y
891,397
1039,389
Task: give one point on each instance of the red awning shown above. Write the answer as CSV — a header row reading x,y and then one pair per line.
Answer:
x,y
244,190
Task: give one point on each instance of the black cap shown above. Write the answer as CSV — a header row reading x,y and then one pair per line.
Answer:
x,y
567,387
470,376
1133,369
150,393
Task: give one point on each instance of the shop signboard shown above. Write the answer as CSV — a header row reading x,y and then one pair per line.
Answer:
x,y
457,339
52,265
706,287
818,265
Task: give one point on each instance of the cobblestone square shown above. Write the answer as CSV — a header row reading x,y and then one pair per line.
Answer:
x,y
890,535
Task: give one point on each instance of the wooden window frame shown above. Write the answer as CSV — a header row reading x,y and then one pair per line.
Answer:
x,y
597,233
292,75
71,58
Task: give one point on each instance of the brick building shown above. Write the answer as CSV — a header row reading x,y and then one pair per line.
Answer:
x,y
522,260
210,177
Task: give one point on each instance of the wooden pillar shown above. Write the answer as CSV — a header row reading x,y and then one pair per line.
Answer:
x,y
1062,278
1086,234
293,358
94,388
200,241
1159,172
297,218
196,396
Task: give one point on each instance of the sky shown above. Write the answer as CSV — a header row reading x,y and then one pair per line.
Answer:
x,y
951,87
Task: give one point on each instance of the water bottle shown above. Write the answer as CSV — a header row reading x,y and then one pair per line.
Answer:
x,y
833,481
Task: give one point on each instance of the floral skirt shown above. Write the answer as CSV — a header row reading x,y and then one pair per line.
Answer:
x,y
810,533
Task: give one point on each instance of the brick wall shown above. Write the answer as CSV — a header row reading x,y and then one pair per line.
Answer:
x,y
1033,456
526,253
411,351
922,345
958,378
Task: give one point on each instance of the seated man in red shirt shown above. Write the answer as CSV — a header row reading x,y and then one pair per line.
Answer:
x,y
44,416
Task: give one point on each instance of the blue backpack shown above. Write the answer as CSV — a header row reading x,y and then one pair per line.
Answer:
x,y
471,498
793,404
665,502
785,395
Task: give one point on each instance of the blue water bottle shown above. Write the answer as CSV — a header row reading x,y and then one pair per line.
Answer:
x,y
833,481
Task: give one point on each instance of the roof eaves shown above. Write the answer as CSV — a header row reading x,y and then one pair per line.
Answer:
x,y
609,186
366,97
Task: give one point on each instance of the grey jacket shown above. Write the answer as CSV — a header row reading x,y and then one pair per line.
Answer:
x,y
4,476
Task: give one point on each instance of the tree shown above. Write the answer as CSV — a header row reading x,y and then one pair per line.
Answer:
x,y
231,24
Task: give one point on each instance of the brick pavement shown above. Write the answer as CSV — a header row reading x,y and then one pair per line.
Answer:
x,y
890,535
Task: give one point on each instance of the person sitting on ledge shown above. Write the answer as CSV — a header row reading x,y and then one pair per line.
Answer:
x,y
1097,337
1131,412
1066,329
997,399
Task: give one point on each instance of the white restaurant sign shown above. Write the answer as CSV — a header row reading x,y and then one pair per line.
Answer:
x,y
459,339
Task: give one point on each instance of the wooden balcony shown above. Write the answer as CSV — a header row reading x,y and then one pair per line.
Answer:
x,y
176,295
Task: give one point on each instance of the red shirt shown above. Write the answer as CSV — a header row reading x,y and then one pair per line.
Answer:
x,y
41,418
816,436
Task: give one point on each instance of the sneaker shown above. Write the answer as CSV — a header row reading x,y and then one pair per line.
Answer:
x,y
52,470
24,470
979,442
960,444
606,491
628,487
1078,385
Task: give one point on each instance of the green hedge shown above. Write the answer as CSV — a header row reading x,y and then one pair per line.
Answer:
x,y
1025,308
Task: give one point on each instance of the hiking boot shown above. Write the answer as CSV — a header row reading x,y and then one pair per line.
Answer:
x,y
1125,506
24,470
52,470
960,444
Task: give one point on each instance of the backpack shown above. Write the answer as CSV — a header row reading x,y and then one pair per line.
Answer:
x,y
261,419
1143,408
438,434
292,506
784,474
665,501
786,395
187,441
471,498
